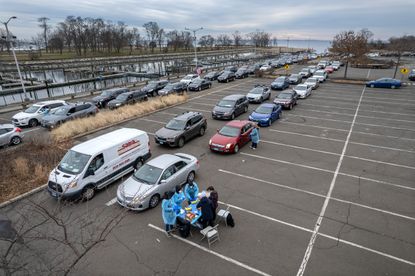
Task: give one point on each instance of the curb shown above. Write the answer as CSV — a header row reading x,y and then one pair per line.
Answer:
x,y
19,197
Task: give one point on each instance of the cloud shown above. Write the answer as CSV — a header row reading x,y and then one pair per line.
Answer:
x,y
316,19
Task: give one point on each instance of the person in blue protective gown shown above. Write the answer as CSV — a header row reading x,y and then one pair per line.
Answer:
x,y
191,190
169,215
178,198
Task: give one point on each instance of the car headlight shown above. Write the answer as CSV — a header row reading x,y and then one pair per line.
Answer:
x,y
118,104
73,184
210,142
228,145
136,201
213,112
171,139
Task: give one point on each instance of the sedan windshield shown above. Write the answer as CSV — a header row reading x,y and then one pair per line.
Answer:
x,y
151,85
176,124
122,97
32,109
284,96
301,87
311,80
106,93
147,174
73,162
168,87
264,109
229,131
293,76
319,74
211,74
256,91
197,81
226,103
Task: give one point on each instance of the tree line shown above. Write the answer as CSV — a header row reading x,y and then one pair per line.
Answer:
x,y
83,35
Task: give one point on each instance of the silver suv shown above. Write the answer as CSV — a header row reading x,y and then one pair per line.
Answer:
x,y
68,112
10,135
181,129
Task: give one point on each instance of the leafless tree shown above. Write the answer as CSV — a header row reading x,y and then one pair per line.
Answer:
x,y
43,23
223,40
259,38
207,41
153,31
237,38
351,45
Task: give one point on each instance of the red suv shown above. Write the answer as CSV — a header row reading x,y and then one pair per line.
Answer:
x,y
231,137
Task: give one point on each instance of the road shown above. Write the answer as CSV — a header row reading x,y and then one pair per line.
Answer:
x,y
329,191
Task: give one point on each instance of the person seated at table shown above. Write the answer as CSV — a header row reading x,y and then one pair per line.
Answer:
x,y
191,190
168,213
206,208
178,197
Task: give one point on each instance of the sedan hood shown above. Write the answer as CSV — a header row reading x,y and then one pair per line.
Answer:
x,y
222,140
164,91
301,92
167,133
114,102
22,115
222,109
193,85
278,84
252,95
277,100
134,188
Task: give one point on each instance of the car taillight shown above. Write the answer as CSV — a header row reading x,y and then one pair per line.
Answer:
x,y
18,129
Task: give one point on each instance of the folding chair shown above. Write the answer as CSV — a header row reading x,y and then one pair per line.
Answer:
x,y
223,215
211,234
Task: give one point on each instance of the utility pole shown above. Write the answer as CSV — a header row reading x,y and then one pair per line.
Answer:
x,y
194,38
8,40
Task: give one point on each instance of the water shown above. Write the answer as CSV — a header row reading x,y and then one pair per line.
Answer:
x,y
320,46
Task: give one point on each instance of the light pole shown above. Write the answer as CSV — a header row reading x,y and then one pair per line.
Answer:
x,y
194,37
8,40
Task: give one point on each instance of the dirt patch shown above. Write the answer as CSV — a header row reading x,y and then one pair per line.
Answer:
x,y
27,167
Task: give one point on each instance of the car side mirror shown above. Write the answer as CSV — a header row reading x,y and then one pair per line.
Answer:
x,y
163,181
89,172
67,114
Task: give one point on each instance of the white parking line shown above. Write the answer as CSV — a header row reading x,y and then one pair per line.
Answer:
x,y
223,257
337,154
203,104
319,195
153,121
362,116
111,202
193,109
321,234
319,221
168,113
329,171
338,140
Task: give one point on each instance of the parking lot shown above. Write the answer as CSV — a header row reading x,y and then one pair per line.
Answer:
x,y
329,191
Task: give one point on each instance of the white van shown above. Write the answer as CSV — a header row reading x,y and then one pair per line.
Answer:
x,y
98,162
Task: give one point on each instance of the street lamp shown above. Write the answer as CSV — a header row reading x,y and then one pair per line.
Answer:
x,y
194,37
8,40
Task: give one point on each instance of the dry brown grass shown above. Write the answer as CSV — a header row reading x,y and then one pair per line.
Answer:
x,y
27,167
106,117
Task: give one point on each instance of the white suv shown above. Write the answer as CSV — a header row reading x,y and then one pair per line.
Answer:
x,y
33,115
189,78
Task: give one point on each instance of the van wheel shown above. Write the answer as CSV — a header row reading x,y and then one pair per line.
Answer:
x,y
190,177
88,192
33,123
138,163
154,201
180,144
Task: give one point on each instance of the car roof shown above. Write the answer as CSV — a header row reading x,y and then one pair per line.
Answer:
x,y
186,115
233,97
164,160
238,123
7,126
48,102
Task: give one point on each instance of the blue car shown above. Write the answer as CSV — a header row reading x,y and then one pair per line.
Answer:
x,y
384,83
280,83
266,113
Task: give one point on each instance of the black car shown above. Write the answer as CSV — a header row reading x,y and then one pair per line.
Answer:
x,y
231,68
230,107
128,98
153,87
177,87
226,76
295,78
106,96
212,75
199,85
287,99
181,129
241,73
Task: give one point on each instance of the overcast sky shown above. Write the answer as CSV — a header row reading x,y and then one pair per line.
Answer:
x,y
306,19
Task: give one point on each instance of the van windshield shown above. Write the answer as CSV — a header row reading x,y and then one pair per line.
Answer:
x,y
73,162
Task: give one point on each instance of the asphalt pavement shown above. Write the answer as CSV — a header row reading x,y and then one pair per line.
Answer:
x,y
329,191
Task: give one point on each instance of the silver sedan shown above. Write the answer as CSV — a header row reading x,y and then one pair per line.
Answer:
x,y
148,184
10,135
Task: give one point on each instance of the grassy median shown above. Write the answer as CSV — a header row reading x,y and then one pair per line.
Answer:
x,y
109,117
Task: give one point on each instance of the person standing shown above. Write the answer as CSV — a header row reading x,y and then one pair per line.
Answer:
x,y
190,191
213,196
178,197
168,213
254,136
206,208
